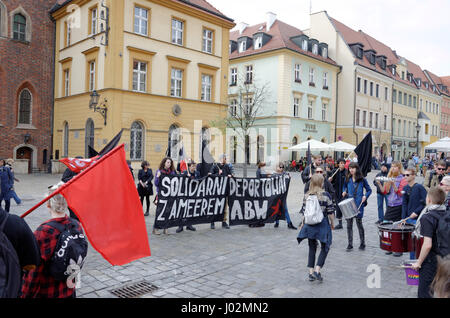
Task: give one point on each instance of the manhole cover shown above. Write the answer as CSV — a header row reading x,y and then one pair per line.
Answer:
x,y
134,290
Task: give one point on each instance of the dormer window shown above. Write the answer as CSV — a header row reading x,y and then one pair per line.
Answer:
x,y
325,53
305,45
426,85
419,82
258,42
315,49
242,46
393,70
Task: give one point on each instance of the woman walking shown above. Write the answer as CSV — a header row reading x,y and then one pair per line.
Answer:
x,y
145,186
166,168
280,171
319,232
354,188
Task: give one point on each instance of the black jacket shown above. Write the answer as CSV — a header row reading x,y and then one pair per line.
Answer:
x,y
68,175
338,182
380,174
328,187
305,173
227,169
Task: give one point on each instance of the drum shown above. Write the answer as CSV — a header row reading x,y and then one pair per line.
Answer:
x,y
417,244
348,208
396,238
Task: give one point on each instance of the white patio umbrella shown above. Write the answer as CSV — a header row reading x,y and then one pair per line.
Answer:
x,y
342,146
313,144
440,145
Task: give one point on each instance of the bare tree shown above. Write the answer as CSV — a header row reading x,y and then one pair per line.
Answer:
x,y
246,105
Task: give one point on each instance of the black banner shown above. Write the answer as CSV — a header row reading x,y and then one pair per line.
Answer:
x,y
184,201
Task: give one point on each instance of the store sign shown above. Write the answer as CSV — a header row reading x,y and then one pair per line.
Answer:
x,y
413,144
399,143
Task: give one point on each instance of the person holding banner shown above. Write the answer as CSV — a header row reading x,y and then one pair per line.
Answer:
x,y
191,173
145,186
222,169
280,170
166,168
354,187
318,232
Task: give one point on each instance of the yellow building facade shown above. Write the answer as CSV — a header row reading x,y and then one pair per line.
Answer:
x,y
157,66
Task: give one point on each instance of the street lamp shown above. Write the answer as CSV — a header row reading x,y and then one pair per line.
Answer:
x,y
93,104
418,131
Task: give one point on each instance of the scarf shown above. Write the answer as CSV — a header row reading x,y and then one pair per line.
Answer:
x,y
426,210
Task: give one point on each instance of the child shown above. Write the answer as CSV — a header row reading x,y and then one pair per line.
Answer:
x,y
427,225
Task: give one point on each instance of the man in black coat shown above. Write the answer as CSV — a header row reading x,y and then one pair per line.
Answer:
x,y
222,169
338,181
311,169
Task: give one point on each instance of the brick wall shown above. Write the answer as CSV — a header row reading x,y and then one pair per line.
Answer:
x,y
27,65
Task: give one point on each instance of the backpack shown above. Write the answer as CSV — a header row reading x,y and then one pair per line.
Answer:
x,y
313,211
70,251
443,232
10,271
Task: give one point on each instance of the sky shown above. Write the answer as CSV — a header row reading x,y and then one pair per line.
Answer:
x,y
418,30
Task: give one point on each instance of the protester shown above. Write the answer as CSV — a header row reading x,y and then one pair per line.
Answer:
x,y
311,169
338,182
260,171
145,186
6,184
26,250
319,232
389,160
39,283
166,168
354,187
411,163
280,171
414,200
130,167
191,173
441,282
427,226
381,197
66,177
434,178
445,185
223,169
328,187
9,163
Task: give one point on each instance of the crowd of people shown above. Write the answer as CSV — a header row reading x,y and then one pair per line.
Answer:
x,y
400,199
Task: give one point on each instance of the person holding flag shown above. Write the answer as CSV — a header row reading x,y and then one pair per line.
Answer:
x,y
166,168
222,169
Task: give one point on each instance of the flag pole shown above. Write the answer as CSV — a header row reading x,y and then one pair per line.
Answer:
x,y
65,185
338,168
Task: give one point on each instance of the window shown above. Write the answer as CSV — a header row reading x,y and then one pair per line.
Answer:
x,y
310,109
324,52
91,76
325,80
377,91
371,88
437,108
248,74
248,106
297,73
376,120
386,97
403,75
385,122
136,141
324,112
409,100
296,106
421,105
207,41
359,85
177,31
94,19
25,107
426,105
140,21
399,128
233,108
357,117
233,77
365,86
405,96
258,42
409,129
139,76
311,76
66,82
305,45
415,102
364,118
400,97
404,128
68,33
371,120
174,141
315,49
394,95
19,27
176,82
242,46
89,136
66,140
206,88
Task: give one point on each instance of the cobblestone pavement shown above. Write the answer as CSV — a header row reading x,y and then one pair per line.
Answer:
x,y
239,262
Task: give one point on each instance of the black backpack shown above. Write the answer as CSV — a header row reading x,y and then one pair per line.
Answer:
x,y
10,271
70,251
443,232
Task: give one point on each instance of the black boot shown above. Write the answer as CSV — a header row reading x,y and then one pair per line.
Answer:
x,y
180,229
339,226
213,226
225,225
291,226
190,228
146,214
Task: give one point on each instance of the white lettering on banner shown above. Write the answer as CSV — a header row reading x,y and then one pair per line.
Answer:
x,y
236,212
165,190
160,216
261,212
193,187
252,210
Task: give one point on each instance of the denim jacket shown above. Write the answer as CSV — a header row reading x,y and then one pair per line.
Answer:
x,y
349,188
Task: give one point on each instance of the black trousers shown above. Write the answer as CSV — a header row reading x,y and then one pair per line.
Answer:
x,y
312,253
7,205
426,276
338,210
147,201
350,230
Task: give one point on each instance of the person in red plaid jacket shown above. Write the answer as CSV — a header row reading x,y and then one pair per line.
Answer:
x,y
39,283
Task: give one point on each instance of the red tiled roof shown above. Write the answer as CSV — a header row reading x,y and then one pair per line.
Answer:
x,y
446,81
281,38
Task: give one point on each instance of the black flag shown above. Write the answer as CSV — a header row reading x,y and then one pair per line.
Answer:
x,y
364,153
92,152
308,155
111,145
207,160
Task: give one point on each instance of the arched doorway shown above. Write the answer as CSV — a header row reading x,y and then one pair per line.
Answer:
x,y
173,142
25,153
89,137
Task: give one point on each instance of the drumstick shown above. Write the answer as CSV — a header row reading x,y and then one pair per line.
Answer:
x,y
338,168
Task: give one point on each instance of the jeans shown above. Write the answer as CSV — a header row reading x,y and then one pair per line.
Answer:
x,y
381,198
350,230
412,255
286,213
312,243
15,197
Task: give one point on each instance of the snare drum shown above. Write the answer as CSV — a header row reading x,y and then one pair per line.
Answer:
x,y
396,238
417,244
348,208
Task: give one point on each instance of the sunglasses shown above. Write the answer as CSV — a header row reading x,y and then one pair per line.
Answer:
x,y
407,175
319,171
440,169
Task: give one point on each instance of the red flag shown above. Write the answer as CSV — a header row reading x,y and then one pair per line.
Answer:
x,y
105,200
76,165
183,165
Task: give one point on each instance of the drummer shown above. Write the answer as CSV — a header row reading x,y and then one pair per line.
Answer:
x,y
414,200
